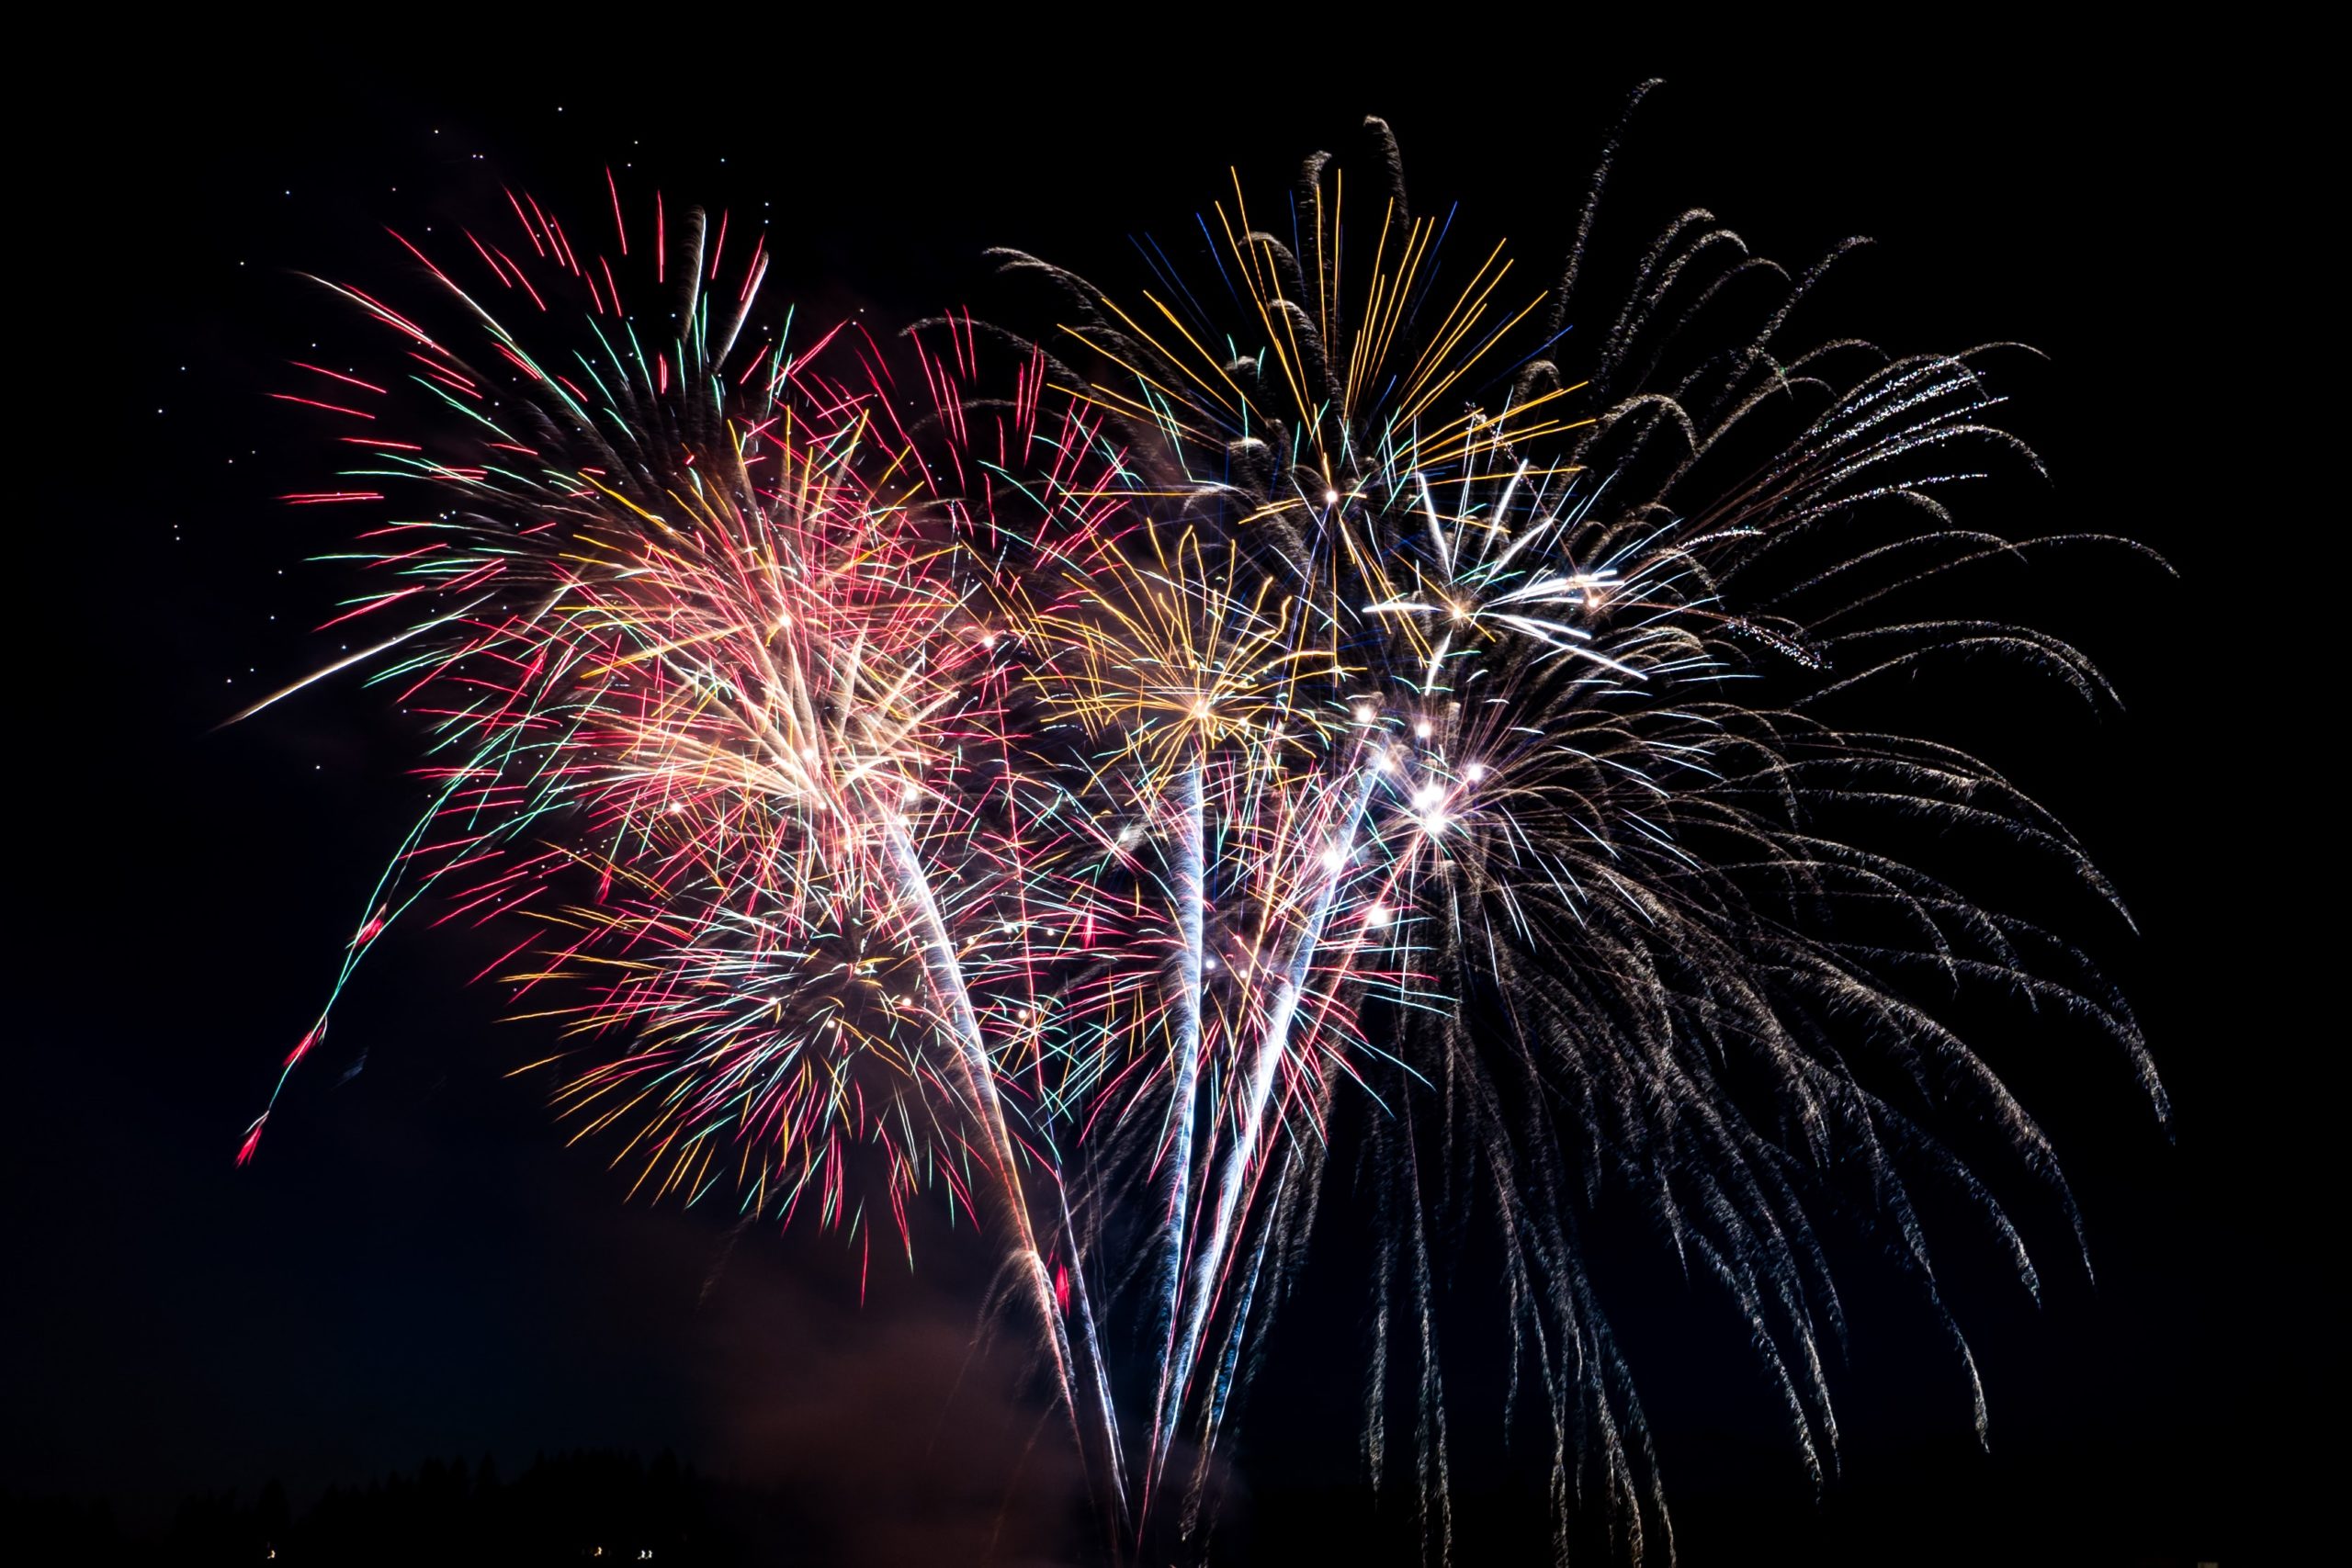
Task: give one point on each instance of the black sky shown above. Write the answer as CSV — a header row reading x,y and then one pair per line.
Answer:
x,y
418,1265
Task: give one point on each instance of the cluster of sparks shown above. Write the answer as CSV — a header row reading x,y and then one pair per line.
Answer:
x,y
1048,773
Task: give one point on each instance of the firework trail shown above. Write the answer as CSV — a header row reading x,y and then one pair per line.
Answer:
x,y
1070,772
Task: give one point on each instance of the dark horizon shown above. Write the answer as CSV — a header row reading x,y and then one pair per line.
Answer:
x,y
417,1267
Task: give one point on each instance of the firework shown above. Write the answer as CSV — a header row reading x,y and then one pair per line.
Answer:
x,y
1505,681
716,707
1054,770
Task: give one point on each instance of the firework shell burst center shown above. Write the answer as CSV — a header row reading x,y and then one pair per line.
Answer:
x,y
1053,773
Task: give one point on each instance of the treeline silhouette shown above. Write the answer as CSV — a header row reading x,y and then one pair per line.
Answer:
x,y
593,1506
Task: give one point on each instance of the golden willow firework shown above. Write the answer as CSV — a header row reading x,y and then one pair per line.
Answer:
x,y
1342,693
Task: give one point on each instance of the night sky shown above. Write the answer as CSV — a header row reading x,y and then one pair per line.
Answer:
x,y
417,1264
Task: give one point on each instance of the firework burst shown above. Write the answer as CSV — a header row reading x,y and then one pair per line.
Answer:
x,y
1503,718
1053,769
